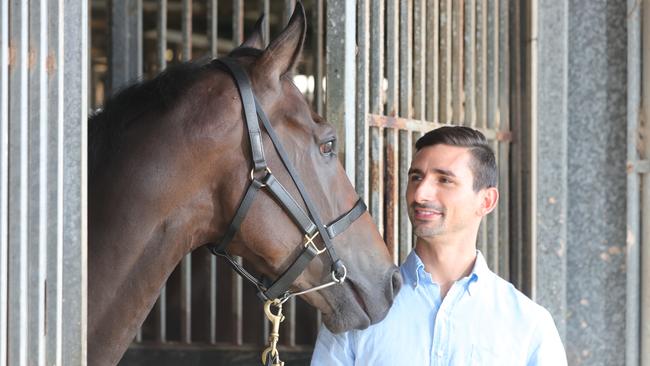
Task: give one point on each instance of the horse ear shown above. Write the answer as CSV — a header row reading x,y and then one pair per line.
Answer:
x,y
256,38
282,54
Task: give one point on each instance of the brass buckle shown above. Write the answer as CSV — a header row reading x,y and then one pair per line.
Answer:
x,y
309,241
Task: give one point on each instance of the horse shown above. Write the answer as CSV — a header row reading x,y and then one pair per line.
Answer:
x,y
169,162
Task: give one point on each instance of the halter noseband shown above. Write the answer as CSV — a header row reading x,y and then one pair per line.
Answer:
x,y
261,177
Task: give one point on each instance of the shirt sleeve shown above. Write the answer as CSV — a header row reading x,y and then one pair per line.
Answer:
x,y
332,349
547,349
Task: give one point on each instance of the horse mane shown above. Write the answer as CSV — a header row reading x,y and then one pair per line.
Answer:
x,y
130,104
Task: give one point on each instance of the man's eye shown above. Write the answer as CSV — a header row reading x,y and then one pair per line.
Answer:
x,y
444,180
415,178
327,148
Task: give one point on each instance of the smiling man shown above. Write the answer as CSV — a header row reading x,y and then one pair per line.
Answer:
x,y
451,310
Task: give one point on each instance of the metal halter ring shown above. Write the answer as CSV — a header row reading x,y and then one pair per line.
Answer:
x,y
268,172
342,279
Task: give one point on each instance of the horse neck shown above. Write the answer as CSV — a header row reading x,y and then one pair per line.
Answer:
x,y
138,233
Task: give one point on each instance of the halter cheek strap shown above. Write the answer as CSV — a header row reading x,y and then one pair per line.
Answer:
x,y
309,222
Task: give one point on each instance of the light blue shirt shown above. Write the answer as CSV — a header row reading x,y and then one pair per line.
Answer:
x,y
483,321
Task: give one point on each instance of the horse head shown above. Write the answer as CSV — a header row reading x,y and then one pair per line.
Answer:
x,y
268,238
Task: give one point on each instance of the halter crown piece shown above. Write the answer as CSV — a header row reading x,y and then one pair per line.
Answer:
x,y
309,223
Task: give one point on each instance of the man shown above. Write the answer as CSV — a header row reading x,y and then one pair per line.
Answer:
x,y
451,310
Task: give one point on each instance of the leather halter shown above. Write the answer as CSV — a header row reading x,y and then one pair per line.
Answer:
x,y
261,177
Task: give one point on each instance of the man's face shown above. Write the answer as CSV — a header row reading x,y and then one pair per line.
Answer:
x,y
440,194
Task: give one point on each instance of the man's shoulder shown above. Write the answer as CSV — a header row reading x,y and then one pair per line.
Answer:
x,y
507,297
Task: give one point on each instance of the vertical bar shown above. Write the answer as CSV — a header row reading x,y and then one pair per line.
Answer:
x,y
419,58
362,97
517,164
161,54
644,253
4,178
125,52
493,118
457,60
213,36
266,10
433,61
161,28
37,178
237,22
376,149
237,286
405,228
186,25
481,63
504,147
291,314
470,63
318,75
213,28
54,285
402,156
340,60
18,154
75,181
186,262
391,198
445,61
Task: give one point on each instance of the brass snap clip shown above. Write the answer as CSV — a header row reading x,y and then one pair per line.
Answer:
x,y
275,319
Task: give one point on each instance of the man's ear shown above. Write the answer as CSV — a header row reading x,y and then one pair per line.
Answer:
x,y
489,199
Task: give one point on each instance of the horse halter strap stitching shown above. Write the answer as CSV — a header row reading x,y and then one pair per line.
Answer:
x,y
311,227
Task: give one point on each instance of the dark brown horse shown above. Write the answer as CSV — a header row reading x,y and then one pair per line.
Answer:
x,y
169,164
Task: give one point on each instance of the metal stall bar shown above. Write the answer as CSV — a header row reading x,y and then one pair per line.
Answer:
x,y
266,30
55,92
125,52
213,36
469,80
432,56
376,106
516,231
38,182
319,26
237,285
161,54
186,262
503,214
391,147
492,119
481,97
403,238
457,62
18,184
644,281
445,62
340,60
74,160
4,178
362,96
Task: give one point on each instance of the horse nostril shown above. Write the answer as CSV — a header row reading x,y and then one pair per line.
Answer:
x,y
396,282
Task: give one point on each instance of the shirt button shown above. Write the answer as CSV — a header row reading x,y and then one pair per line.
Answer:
x,y
439,353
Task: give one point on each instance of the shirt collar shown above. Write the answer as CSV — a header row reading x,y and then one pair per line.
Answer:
x,y
413,271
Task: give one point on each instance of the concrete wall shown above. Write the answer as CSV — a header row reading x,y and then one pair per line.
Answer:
x,y
580,190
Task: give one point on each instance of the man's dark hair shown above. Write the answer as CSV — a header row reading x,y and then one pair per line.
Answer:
x,y
483,165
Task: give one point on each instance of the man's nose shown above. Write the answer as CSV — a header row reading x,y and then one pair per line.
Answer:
x,y
424,192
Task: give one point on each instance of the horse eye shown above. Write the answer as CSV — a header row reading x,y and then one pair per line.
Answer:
x,y
327,148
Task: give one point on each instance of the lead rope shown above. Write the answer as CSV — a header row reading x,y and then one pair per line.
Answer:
x,y
271,356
